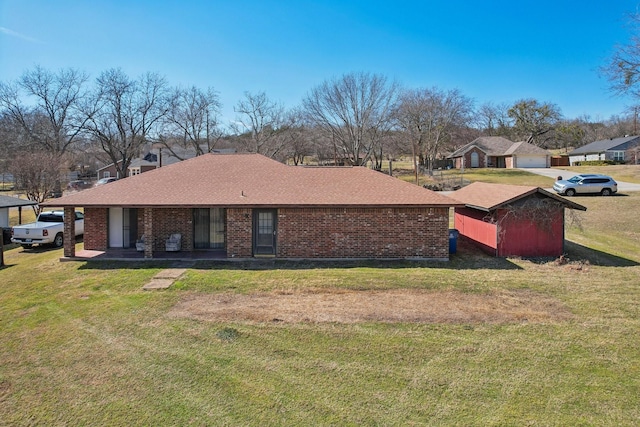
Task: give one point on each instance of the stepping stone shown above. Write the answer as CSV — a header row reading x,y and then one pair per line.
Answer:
x,y
170,273
158,284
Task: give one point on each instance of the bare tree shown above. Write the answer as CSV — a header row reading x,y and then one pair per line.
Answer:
x,y
353,111
259,122
53,121
494,120
534,122
623,67
297,137
124,114
37,174
429,117
192,121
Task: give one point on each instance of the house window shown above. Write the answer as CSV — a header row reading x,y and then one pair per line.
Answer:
x,y
134,171
618,156
106,174
209,228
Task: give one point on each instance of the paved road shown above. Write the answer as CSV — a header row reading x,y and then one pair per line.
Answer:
x,y
554,173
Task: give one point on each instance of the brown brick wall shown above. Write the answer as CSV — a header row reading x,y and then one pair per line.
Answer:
x,y
363,233
304,232
96,228
239,233
167,221
482,159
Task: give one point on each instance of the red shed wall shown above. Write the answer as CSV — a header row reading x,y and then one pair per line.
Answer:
x,y
520,237
470,224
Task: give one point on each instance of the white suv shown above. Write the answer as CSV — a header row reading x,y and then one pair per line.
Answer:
x,y
586,184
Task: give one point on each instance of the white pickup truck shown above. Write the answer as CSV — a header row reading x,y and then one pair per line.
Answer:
x,y
48,228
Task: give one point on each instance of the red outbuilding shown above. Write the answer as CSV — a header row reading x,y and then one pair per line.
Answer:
x,y
512,220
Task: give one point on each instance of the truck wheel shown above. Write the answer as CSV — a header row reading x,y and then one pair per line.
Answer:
x,y
58,241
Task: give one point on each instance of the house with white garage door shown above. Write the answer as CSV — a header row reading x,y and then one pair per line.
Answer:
x,y
499,152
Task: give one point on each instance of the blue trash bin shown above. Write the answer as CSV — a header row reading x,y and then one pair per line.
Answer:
x,y
453,240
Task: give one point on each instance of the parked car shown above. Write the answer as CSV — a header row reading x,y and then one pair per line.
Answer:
x,y
103,181
78,185
47,229
586,184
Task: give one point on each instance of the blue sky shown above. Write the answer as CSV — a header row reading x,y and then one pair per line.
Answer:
x,y
497,51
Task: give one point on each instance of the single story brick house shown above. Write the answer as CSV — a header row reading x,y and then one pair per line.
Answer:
x,y
247,205
512,220
499,152
623,150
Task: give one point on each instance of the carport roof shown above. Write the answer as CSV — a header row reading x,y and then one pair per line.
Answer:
x,y
488,197
14,202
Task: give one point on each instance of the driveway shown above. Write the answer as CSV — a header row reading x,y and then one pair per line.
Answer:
x,y
554,173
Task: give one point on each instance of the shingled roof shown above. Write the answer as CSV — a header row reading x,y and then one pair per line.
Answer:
x,y
252,180
617,144
488,197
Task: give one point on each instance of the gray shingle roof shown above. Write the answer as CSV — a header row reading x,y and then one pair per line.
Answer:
x,y
14,202
615,144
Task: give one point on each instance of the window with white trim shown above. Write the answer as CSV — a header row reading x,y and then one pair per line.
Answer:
x,y
618,156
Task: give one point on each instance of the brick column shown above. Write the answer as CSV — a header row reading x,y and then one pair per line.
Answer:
x,y
69,232
149,238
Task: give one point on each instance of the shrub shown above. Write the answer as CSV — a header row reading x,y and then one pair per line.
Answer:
x,y
597,163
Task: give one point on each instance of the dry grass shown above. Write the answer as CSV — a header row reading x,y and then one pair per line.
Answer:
x,y
625,173
348,306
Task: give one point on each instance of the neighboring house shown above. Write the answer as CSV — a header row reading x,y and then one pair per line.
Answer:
x,y
623,150
136,167
512,220
499,152
247,205
162,157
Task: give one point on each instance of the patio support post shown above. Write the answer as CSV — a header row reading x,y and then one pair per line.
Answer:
x,y
148,232
69,232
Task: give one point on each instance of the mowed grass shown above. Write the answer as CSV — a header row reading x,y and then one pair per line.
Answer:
x,y
83,344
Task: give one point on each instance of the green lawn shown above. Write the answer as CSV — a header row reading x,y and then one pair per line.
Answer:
x,y
83,344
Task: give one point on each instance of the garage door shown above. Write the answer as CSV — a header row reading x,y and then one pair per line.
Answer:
x,y
531,162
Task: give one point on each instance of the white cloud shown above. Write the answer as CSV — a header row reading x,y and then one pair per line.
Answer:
x,y
12,33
